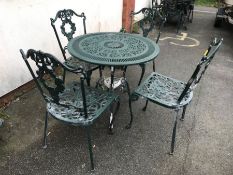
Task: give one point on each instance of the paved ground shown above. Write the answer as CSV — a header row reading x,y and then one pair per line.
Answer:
x,y
204,140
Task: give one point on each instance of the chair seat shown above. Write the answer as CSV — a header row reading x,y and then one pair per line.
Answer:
x,y
163,90
75,63
70,107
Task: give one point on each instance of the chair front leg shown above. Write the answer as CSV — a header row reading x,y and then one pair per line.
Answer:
x,y
174,132
183,113
143,66
64,75
90,147
45,129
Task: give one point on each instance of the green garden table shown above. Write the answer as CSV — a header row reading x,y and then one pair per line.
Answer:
x,y
113,49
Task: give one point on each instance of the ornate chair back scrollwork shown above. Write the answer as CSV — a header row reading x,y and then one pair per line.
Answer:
x,y
72,103
201,67
147,21
172,93
69,21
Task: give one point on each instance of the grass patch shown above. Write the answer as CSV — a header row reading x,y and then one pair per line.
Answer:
x,y
208,3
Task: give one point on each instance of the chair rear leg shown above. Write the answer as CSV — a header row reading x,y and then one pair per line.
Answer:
x,y
128,126
144,108
142,73
180,21
45,129
112,116
89,78
153,66
64,75
183,113
174,132
90,147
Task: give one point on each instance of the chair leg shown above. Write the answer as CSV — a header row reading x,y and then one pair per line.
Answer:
x,y
183,113
90,147
174,132
112,117
64,75
45,129
100,78
142,74
153,66
144,108
89,78
180,21
128,126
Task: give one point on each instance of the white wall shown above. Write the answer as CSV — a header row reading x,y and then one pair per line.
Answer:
x,y
25,24
139,4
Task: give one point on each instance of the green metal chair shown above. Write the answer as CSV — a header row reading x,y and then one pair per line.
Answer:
x,y
172,93
74,103
182,9
65,19
148,19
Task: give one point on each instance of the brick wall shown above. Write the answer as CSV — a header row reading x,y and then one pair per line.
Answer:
x,y
128,6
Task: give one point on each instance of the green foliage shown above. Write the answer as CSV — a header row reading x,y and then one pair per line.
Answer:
x,y
209,3
135,28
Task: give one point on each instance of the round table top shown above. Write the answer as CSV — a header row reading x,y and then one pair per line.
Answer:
x,y
113,48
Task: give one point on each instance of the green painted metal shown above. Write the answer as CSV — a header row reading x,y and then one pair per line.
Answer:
x,y
183,9
71,103
113,49
172,93
163,90
64,20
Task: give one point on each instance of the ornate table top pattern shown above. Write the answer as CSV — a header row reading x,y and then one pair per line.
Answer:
x,y
113,49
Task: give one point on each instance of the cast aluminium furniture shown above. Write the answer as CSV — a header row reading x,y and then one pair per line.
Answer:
x,y
182,9
114,49
147,19
74,103
172,93
67,20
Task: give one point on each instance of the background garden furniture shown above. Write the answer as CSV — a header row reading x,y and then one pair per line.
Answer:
x,y
66,19
182,9
172,93
73,104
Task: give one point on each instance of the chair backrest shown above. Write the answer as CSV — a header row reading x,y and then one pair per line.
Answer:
x,y
201,67
147,20
48,75
146,23
66,19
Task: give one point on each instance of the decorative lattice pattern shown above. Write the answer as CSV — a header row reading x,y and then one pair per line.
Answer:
x,y
163,90
76,63
113,48
70,107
